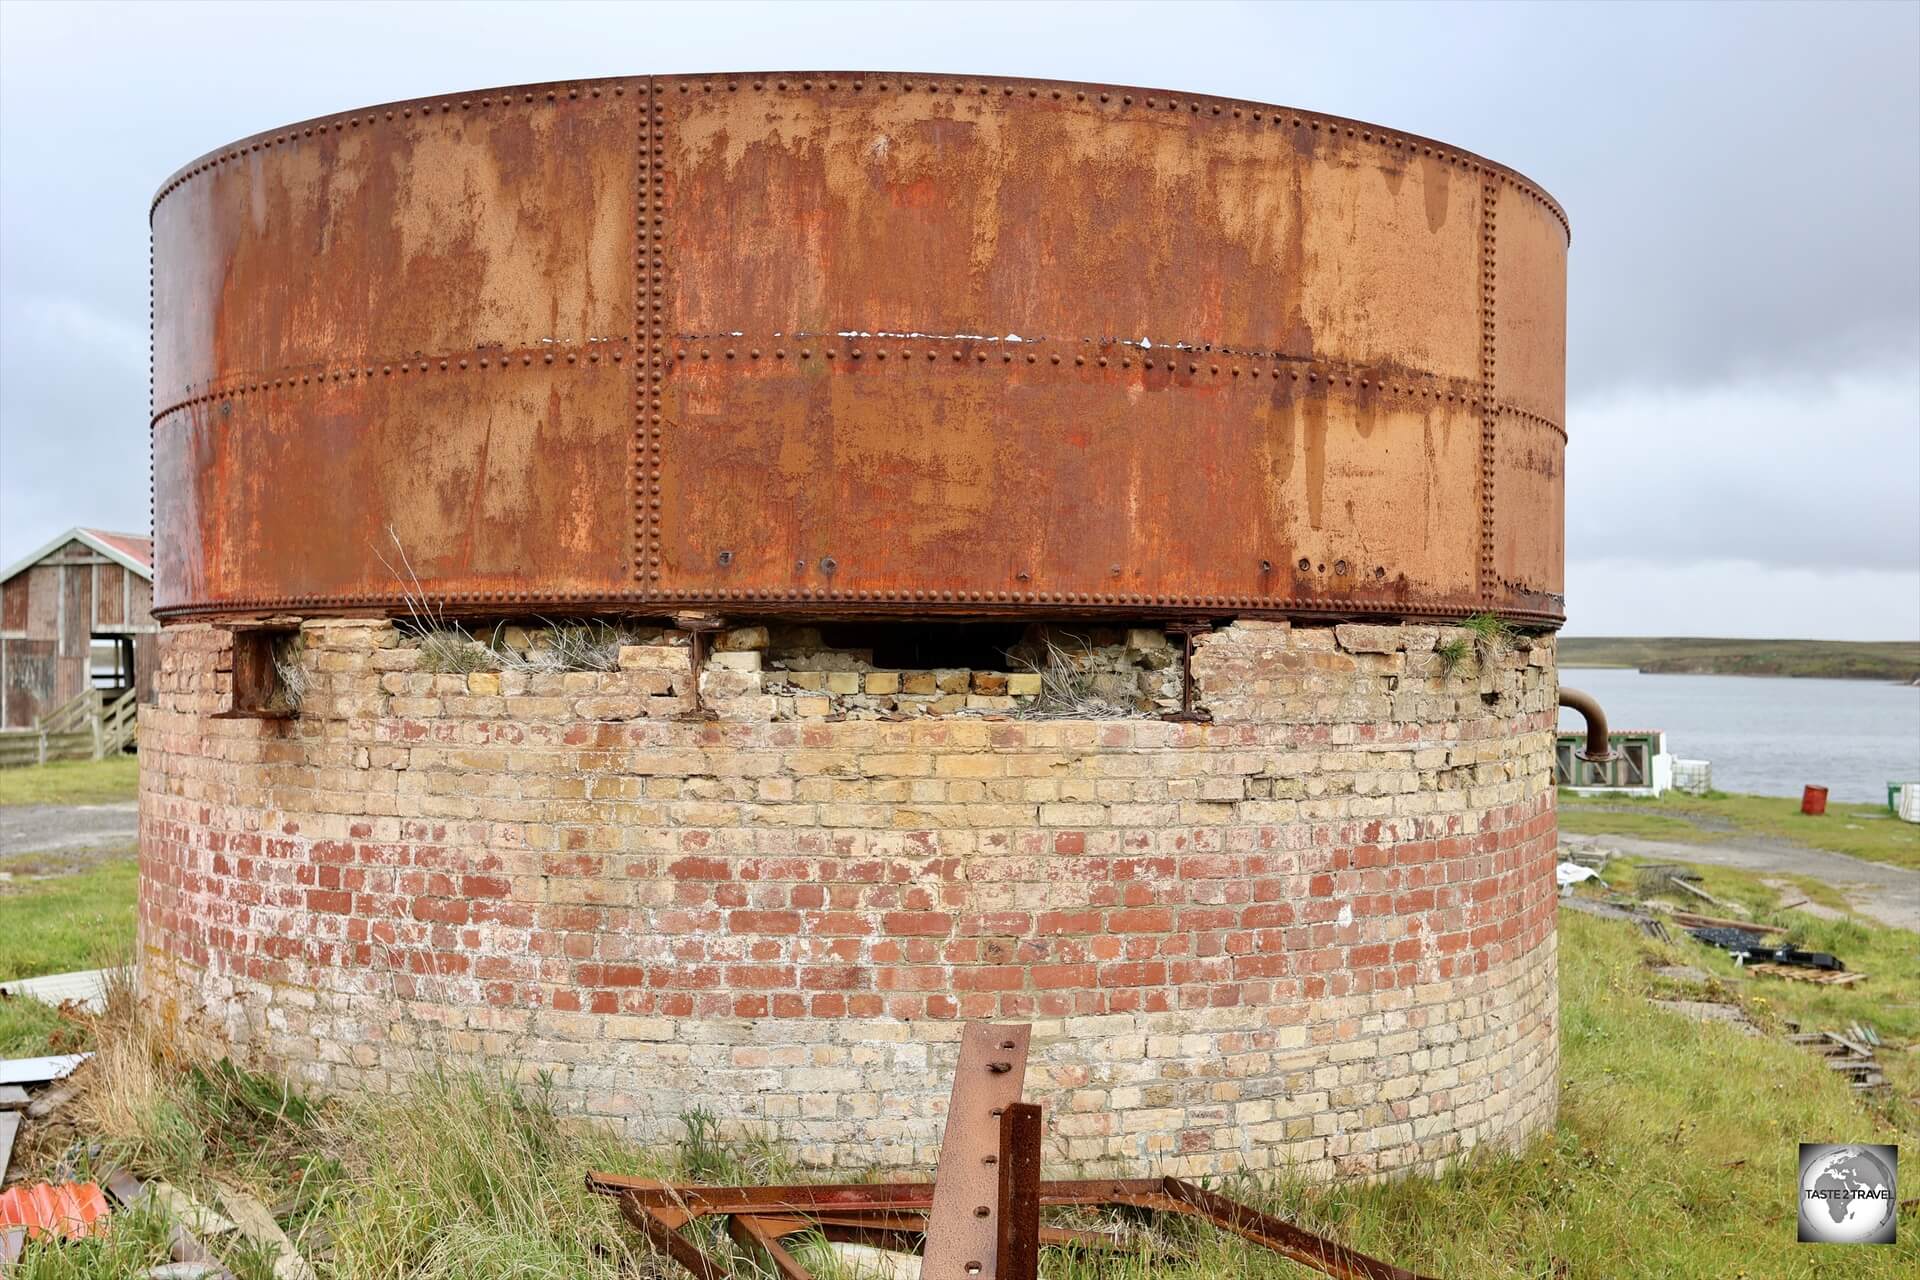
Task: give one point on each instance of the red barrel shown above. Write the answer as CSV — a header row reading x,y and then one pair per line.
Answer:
x,y
1813,801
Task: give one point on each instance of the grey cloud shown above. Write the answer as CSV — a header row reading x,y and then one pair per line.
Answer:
x,y
1742,181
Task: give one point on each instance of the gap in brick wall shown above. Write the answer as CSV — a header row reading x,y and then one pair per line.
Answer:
x,y
1059,668
902,645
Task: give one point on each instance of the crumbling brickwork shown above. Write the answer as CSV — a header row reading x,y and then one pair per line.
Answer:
x,y
1317,931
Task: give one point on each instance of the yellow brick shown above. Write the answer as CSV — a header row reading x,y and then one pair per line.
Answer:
x,y
1024,685
483,682
883,682
843,682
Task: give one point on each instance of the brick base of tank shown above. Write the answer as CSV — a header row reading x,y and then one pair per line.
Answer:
x,y
1316,932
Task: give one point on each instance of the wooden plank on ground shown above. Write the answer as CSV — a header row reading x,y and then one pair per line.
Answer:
x,y
1824,977
9,1129
252,1220
51,1101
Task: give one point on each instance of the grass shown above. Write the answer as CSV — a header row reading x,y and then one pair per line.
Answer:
x,y
1833,659
72,782
1858,830
81,919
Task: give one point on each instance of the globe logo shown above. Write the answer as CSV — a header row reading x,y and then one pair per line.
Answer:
x,y
1847,1193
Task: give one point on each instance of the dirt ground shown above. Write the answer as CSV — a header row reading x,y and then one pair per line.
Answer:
x,y
78,833
1885,893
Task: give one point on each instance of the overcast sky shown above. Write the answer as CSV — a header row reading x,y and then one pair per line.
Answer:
x,y
1743,182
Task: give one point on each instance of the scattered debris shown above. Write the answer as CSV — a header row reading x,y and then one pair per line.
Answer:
x,y
1654,929
192,1258
1586,855
1660,877
868,1262
1604,910
1569,874
86,988
253,1220
51,1101
1826,977
984,1203
69,1209
1849,1056
39,1070
1757,954
188,1212
9,1130
1739,943
1708,1011
1694,920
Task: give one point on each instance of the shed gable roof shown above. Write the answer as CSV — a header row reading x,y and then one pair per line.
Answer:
x,y
129,549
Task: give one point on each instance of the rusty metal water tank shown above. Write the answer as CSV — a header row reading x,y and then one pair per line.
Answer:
x,y
857,343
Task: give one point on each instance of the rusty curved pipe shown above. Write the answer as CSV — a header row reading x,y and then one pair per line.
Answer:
x,y
1598,750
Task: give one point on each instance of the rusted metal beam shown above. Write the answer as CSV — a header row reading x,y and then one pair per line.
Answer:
x,y
962,1230
844,1197
1016,1250
1283,1237
1188,713
699,629
749,1229
875,1208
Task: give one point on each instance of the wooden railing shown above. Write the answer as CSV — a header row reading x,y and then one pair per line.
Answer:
x,y
87,727
119,724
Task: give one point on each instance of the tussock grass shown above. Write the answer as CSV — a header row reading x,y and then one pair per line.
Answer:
x,y
447,647
1066,683
290,673
469,1176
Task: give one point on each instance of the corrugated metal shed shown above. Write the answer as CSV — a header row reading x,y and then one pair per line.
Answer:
x,y
86,587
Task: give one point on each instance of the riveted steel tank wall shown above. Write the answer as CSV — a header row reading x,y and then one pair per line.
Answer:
x,y
857,343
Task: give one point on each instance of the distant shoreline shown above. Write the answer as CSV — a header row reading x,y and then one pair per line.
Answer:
x,y
1896,661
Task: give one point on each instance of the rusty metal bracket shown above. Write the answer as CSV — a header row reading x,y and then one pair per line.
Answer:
x,y
1188,713
699,628
962,1231
1016,1250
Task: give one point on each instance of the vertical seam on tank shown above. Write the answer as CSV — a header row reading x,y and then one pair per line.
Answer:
x,y
657,362
643,364
153,541
1489,389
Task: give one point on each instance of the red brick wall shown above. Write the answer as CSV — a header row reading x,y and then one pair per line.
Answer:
x,y
1319,930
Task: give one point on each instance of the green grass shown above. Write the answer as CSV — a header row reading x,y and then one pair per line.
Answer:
x,y
1858,830
32,1029
81,920
1833,659
72,782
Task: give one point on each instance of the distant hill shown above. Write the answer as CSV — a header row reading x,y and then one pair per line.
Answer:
x,y
1699,655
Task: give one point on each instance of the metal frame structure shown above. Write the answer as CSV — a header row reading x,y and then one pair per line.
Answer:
x,y
980,1219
